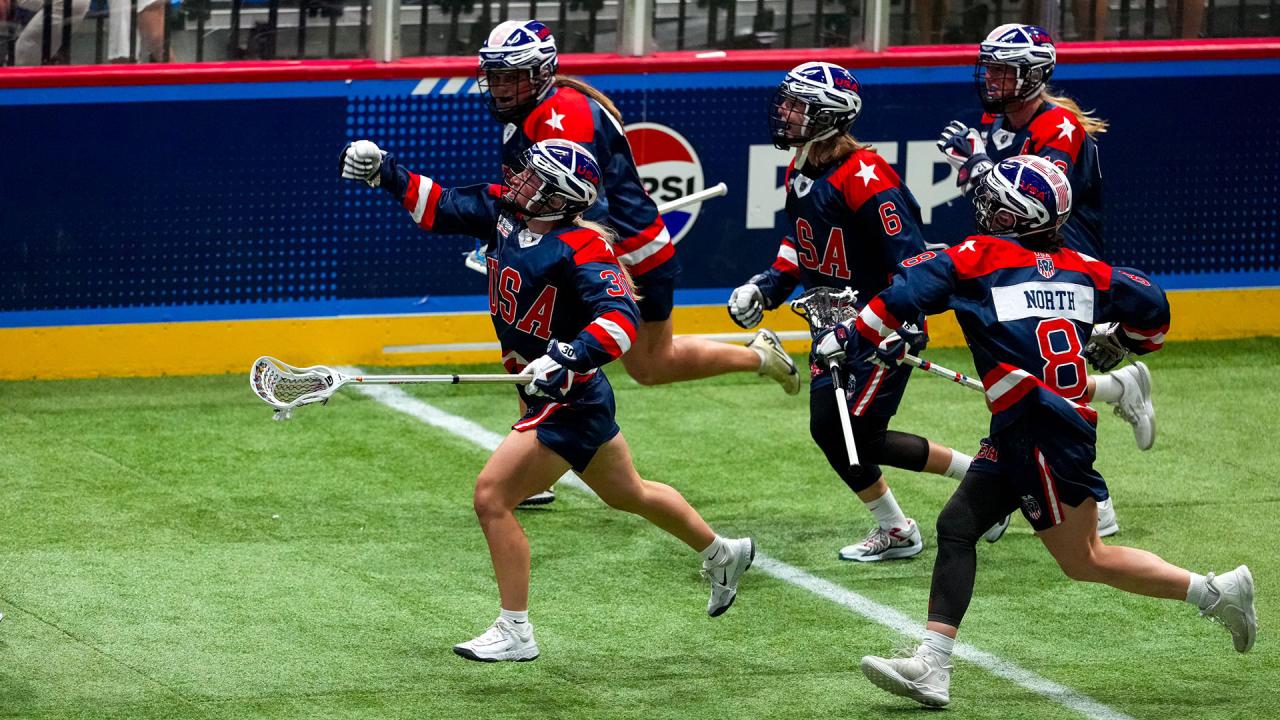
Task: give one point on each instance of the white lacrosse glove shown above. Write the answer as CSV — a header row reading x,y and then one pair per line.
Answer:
x,y
550,377
746,305
1104,350
965,150
831,346
361,160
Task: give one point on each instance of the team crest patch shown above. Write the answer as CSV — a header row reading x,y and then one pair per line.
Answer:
x,y
1044,265
527,238
1031,506
505,226
802,185
508,132
1001,139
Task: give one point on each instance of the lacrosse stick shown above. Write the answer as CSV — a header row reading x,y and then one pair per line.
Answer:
x,y
285,387
955,377
824,308
474,259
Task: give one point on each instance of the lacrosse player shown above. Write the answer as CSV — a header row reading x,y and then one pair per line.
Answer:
x,y
1022,117
562,307
518,77
854,221
1027,305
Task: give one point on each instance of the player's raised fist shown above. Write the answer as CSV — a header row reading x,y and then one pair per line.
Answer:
x,y
361,160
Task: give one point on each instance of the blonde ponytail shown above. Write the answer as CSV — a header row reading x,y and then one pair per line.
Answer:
x,y
833,150
594,94
1092,125
611,237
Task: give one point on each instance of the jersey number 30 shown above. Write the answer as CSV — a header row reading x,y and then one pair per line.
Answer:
x,y
1061,350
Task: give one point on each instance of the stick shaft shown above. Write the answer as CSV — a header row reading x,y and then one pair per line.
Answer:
x,y
714,191
450,379
952,375
846,425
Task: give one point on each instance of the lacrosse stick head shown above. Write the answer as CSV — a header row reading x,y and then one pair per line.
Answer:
x,y
826,307
285,387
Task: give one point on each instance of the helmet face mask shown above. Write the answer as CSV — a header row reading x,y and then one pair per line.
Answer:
x,y
1026,197
523,194
816,101
559,179
517,68
1014,64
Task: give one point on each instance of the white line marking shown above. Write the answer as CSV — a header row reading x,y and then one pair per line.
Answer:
x,y
397,399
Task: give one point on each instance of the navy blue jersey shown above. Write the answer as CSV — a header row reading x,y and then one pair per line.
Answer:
x,y
643,244
565,285
854,222
1026,316
1054,133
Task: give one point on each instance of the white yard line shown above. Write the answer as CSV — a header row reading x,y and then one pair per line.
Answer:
x,y
397,399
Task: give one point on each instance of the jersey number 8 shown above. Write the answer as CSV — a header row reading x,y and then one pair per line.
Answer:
x,y
1063,363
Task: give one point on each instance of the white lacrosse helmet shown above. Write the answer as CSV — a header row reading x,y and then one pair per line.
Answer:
x,y
517,67
559,179
1014,64
815,101
1025,196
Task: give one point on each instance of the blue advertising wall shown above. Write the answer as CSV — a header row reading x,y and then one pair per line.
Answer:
x,y
222,202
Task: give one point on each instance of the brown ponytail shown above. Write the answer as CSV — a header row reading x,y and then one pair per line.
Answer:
x,y
833,150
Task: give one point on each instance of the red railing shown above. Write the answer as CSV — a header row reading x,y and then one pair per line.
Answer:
x,y
608,63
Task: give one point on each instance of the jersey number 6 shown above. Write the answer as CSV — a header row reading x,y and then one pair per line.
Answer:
x,y
892,224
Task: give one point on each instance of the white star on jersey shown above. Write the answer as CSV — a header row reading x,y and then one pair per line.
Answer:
x,y
555,120
866,172
968,245
1067,129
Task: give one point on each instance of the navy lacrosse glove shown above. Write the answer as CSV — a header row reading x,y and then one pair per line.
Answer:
x,y
550,376
894,349
965,151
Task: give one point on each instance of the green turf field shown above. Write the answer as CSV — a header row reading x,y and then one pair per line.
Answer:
x,y
170,552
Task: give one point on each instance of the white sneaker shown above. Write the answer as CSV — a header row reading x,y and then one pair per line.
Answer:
x,y
923,677
1234,607
546,497
504,640
775,363
1107,523
997,531
881,544
1135,403
724,574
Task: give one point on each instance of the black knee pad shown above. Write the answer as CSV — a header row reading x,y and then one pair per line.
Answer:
x,y
976,505
824,427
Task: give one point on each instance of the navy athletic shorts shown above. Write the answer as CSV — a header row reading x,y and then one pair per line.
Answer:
x,y
574,430
1045,460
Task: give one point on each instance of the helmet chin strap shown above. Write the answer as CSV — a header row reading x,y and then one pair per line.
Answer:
x,y
802,154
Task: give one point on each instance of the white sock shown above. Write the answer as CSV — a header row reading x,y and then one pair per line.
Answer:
x,y
938,644
1199,593
1107,389
959,465
886,511
717,553
763,357
518,617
